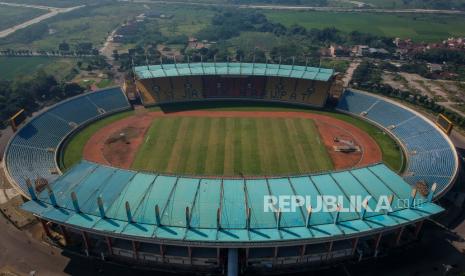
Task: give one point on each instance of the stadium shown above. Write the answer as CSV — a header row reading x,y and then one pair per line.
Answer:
x,y
179,185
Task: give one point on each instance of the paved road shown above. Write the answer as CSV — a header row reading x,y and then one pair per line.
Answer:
x,y
52,12
24,254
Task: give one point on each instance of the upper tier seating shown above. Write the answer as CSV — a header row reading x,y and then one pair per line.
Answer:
x,y
31,153
431,158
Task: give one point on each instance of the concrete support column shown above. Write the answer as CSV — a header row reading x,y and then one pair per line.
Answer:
x,y
162,252
377,242
86,242
330,249
64,232
233,262
135,246
189,253
418,227
354,247
45,226
399,235
275,255
109,245
302,250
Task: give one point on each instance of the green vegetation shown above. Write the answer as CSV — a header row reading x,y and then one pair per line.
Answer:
x,y
53,3
263,41
11,67
74,149
250,130
90,24
420,27
232,146
337,65
105,83
392,154
419,4
11,16
31,93
187,20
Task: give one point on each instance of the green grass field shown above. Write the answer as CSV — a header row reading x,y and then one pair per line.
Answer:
x,y
11,16
232,147
11,67
51,3
224,146
421,4
419,27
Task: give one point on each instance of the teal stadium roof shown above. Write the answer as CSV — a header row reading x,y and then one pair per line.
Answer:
x,y
228,199
233,69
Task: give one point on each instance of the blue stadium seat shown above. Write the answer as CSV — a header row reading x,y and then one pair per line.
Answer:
x,y
109,100
430,156
31,153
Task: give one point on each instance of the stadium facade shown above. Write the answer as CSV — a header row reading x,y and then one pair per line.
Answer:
x,y
219,224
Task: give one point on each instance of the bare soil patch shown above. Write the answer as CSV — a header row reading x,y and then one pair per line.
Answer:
x,y
117,143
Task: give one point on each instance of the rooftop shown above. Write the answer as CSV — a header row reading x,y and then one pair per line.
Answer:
x,y
124,202
234,69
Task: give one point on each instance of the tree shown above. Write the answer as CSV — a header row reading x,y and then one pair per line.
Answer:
x,y
63,47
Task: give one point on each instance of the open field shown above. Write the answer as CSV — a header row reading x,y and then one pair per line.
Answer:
x,y
232,146
250,40
419,27
186,20
11,16
11,67
51,3
418,4
87,24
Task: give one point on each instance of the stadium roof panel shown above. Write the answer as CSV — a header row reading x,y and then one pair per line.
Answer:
x,y
229,199
233,69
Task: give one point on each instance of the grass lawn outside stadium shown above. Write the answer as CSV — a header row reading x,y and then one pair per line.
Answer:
x,y
233,146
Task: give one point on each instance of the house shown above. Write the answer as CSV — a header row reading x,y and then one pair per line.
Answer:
x,y
434,67
360,50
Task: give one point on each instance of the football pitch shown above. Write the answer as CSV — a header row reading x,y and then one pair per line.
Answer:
x,y
232,146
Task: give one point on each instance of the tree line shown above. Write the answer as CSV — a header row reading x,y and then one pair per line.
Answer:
x,y
302,43
33,93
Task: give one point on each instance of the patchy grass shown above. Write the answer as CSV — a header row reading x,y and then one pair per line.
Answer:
x,y
250,40
337,65
419,27
11,67
74,149
187,20
89,24
11,16
104,83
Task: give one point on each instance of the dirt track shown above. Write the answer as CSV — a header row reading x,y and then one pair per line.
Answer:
x,y
117,143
